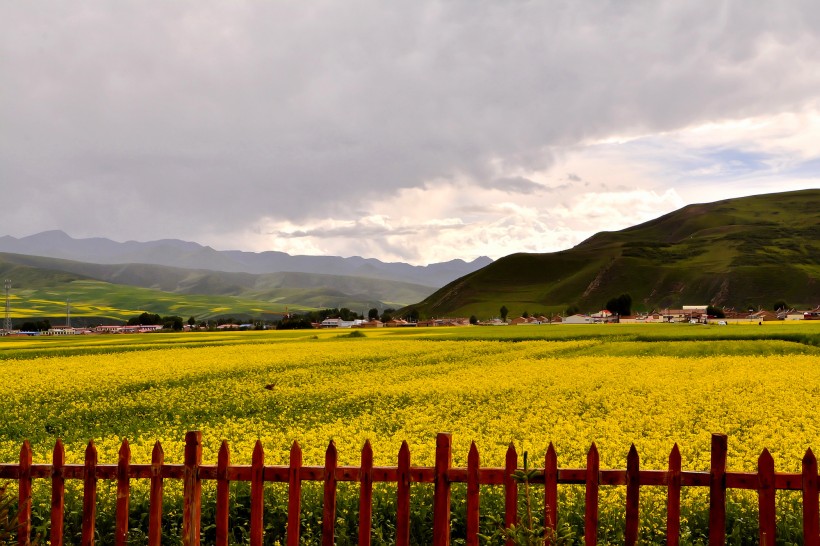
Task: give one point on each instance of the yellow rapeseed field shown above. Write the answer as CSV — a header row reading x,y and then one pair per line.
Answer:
x,y
571,390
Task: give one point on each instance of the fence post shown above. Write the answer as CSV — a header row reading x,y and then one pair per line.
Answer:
x,y
366,495
766,498
633,492
155,503
673,498
57,493
811,505
24,497
223,486
441,498
550,491
717,491
192,489
591,503
294,495
510,489
123,494
329,508
403,497
473,495
89,494
257,494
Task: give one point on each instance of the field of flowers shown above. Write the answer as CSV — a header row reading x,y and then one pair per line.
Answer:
x,y
612,385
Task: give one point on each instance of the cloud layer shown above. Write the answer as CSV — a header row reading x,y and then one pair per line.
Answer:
x,y
418,131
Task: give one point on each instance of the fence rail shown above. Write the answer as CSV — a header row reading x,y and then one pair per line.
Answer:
x,y
765,481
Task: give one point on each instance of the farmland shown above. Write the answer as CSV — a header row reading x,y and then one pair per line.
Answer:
x,y
613,385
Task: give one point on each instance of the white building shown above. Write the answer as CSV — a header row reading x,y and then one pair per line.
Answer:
x,y
578,319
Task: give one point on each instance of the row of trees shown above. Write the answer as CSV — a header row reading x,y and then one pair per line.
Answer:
x,y
171,322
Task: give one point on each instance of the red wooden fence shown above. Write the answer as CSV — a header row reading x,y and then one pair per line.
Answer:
x,y
765,481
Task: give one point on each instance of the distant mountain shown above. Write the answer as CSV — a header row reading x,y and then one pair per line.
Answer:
x,y
188,255
286,288
751,251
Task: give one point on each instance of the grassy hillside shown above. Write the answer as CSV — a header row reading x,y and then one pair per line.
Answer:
x,y
95,301
41,286
738,252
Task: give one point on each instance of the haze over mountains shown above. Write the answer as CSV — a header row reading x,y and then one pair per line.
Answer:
x,y
189,255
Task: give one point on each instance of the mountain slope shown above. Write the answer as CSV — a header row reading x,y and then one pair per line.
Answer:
x,y
187,255
738,252
294,289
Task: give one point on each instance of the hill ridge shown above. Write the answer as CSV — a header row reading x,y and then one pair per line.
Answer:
x,y
745,251
190,255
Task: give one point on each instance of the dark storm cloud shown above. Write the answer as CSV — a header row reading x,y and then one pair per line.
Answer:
x,y
200,115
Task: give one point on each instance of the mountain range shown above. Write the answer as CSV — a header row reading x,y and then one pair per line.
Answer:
x,y
110,280
189,255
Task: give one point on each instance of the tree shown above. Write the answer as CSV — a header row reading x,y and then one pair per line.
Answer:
x,y
387,315
172,322
622,305
780,306
504,312
294,322
145,319
716,312
526,314
346,314
191,321
473,319
413,315
36,326
373,314
572,310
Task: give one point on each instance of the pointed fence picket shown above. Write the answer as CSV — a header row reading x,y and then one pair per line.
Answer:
x,y
442,475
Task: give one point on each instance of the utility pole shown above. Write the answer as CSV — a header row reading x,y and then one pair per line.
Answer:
x,y
7,321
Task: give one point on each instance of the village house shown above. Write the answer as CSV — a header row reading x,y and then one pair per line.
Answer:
x,y
493,322
61,331
687,314
330,323
398,323
761,316
375,323
525,321
108,329
631,319
603,316
457,321
578,319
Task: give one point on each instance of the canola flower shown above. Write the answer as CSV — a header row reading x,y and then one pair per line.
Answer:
x,y
389,388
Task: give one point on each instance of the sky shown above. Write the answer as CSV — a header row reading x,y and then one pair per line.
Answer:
x,y
415,131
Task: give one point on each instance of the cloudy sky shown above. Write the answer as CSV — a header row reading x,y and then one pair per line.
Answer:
x,y
418,131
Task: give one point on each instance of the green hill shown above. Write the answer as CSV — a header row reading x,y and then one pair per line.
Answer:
x,y
42,285
751,251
